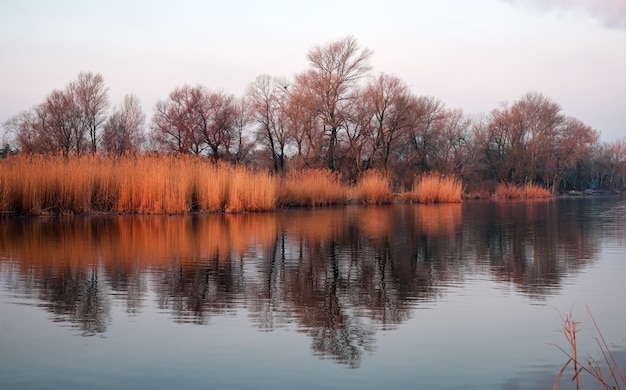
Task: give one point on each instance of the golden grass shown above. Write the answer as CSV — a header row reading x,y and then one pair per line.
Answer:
x,y
311,187
150,184
373,187
535,191
249,191
436,188
35,185
509,191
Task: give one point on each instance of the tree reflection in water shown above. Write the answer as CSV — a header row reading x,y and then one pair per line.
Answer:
x,y
339,275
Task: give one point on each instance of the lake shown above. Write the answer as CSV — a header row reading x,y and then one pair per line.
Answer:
x,y
452,296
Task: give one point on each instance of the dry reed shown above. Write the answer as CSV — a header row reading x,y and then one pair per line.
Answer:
x,y
249,191
510,191
436,188
613,380
372,187
144,184
150,184
311,187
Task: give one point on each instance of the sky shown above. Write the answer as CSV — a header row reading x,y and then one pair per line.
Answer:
x,y
472,55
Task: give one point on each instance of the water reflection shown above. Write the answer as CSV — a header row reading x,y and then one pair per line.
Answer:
x,y
340,275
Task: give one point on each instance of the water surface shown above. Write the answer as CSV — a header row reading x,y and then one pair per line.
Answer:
x,y
402,296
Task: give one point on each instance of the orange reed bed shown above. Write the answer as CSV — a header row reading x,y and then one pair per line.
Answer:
x,y
372,187
436,188
149,184
38,185
528,191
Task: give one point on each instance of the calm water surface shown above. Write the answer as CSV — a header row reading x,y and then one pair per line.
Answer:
x,y
404,296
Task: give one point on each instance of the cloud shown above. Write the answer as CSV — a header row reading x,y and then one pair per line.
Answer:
x,y
612,13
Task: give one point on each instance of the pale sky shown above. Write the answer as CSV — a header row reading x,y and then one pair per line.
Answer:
x,y
470,54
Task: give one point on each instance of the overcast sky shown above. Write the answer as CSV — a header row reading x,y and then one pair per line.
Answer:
x,y
469,54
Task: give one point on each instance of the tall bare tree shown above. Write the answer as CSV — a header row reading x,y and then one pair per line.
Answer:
x,y
179,124
616,156
303,121
124,130
90,96
389,99
61,124
451,132
268,97
242,142
425,111
337,67
220,131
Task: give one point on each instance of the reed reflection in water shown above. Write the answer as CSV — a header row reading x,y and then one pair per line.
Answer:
x,y
340,275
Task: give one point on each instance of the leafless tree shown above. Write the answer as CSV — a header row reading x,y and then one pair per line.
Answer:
x,y
541,119
337,67
179,124
242,142
425,111
90,96
389,99
451,132
124,130
303,121
532,141
65,119
359,146
61,124
220,130
268,96
616,155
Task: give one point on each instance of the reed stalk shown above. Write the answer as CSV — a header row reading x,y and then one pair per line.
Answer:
x,y
615,378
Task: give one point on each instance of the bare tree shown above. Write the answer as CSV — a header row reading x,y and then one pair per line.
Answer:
x,y
425,111
505,144
241,143
90,96
389,99
358,151
532,141
451,133
219,131
65,119
25,128
268,97
337,67
573,141
303,121
616,155
61,124
124,130
541,118
179,124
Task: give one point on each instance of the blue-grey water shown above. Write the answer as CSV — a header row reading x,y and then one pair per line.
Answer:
x,y
463,296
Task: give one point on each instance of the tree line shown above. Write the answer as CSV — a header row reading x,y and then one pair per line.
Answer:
x,y
335,115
